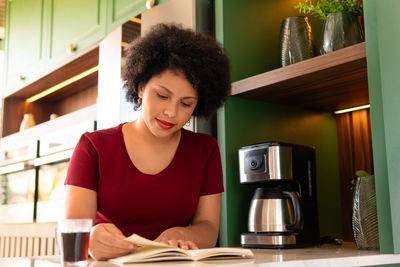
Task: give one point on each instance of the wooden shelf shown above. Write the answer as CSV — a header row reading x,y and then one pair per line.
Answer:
x,y
329,82
36,132
75,96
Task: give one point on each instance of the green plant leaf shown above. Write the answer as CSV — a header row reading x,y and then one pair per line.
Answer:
x,y
322,8
361,173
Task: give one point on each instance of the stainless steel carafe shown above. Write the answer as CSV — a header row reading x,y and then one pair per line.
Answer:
x,y
275,210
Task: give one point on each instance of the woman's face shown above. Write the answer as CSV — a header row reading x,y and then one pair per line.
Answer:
x,y
168,101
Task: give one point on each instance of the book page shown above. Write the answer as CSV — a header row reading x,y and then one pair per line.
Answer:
x,y
220,253
148,254
144,242
149,251
154,251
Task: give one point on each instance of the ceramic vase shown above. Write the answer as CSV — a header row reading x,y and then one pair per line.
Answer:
x,y
27,122
296,40
364,215
340,29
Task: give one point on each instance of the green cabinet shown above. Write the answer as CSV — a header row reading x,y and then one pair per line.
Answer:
x,y
42,35
120,11
382,36
24,42
74,26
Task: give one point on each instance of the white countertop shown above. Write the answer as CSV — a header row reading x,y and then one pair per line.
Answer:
x,y
327,255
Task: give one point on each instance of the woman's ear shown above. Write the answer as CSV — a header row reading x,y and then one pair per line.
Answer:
x,y
140,92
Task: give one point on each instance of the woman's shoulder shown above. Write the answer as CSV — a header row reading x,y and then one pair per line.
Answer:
x,y
199,139
104,135
201,147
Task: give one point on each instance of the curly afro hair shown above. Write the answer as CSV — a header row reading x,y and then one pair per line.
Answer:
x,y
199,57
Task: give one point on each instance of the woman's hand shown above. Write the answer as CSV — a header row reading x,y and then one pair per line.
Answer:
x,y
170,237
107,241
203,230
183,244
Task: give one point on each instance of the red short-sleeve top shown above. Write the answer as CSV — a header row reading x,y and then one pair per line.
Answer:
x,y
142,203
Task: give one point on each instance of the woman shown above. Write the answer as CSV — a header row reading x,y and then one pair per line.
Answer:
x,y
150,176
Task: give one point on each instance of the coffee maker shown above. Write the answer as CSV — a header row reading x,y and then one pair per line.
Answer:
x,y
283,211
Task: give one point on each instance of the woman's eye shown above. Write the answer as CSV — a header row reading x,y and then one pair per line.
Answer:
x,y
162,96
185,105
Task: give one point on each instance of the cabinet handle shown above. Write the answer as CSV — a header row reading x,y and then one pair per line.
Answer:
x,y
21,77
149,4
71,48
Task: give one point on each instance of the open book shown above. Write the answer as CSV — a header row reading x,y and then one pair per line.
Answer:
x,y
150,251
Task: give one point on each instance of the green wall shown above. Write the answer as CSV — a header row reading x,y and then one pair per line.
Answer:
x,y
249,31
382,43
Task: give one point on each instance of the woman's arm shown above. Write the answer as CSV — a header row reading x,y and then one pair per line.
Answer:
x,y
203,231
106,240
80,203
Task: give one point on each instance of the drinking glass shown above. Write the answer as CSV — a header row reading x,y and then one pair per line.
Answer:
x,y
73,240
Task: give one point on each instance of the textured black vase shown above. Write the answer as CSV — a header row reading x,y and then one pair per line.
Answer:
x,y
364,216
296,40
340,29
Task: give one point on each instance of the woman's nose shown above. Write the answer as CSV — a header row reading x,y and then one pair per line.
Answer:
x,y
170,110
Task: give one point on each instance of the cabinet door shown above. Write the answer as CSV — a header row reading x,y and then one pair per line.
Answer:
x,y
74,26
120,11
24,50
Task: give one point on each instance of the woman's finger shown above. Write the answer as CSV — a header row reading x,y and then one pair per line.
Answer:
x,y
192,245
173,243
183,244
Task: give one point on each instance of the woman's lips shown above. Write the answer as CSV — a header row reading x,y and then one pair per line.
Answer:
x,y
165,125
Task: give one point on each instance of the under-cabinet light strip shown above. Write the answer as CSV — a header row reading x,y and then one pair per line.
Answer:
x,y
136,20
62,84
351,109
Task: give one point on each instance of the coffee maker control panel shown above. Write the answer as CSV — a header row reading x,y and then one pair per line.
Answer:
x,y
254,162
263,162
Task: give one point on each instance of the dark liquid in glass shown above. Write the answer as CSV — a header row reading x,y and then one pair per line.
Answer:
x,y
75,246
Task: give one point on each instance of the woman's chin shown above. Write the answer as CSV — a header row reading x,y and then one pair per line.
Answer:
x,y
162,133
